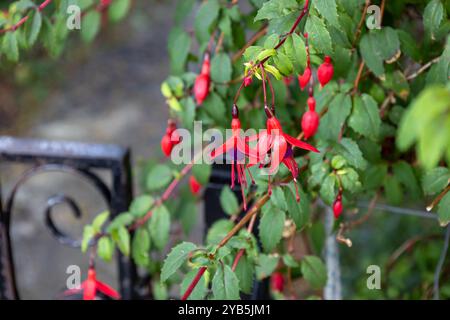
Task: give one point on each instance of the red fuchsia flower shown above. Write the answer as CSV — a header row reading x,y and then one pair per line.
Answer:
x,y
170,139
280,144
248,81
105,3
325,71
337,206
203,81
303,79
277,282
237,148
194,185
91,285
310,119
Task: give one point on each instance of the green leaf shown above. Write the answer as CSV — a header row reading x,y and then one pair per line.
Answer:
x,y
351,152
277,198
319,37
409,45
100,220
218,230
225,284
10,46
176,258
118,9
289,261
188,216
427,120
122,219
393,190
90,25
276,8
158,177
298,211
245,272
36,23
365,118
283,64
200,290
374,176
328,10
24,5
370,51
266,265
122,238
160,290
105,248
88,235
328,189
141,205
221,68
141,247
295,49
444,210
435,180
332,122
159,226
432,17
179,45
405,175
206,15
271,227
215,107
314,271
202,172
229,201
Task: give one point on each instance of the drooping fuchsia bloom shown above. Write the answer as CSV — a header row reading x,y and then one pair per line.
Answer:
x,y
203,81
238,149
325,71
91,285
310,119
280,144
303,79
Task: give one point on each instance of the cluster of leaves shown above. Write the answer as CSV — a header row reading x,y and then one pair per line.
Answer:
x,y
390,93
50,27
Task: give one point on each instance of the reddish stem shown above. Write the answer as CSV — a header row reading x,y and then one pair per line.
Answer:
x,y
193,284
24,19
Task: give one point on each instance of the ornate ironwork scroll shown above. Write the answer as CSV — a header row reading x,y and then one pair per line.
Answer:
x,y
75,158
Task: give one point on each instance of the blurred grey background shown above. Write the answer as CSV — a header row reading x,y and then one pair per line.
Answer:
x,y
105,92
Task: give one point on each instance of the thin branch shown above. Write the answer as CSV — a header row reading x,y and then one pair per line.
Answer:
x,y
422,69
25,19
194,282
438,199
440,264
358,78
361,23
261,32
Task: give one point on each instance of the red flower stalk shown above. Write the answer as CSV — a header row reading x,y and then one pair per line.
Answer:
x,y
194,185
170,139
325,71
91,285
337,206
303,79
236,147
310,119
203,81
